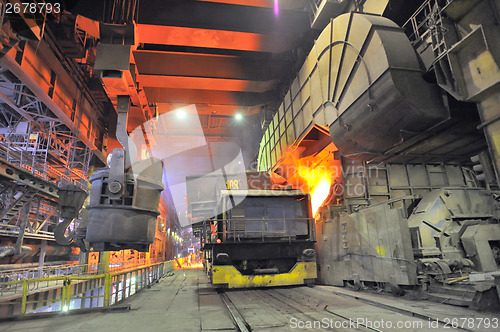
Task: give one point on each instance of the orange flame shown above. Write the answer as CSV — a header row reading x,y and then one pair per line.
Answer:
x,y
315,174
319,194
318,181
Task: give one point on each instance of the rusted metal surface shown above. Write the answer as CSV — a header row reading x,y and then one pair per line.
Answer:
x,y
35,72
221,39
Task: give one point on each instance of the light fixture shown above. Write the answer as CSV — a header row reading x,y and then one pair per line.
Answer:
x,y
238,116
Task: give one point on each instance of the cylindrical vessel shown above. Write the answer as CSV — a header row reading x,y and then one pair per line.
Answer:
x,y
130,221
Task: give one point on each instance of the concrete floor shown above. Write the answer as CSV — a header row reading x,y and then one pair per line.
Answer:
x,y
187,302
183,302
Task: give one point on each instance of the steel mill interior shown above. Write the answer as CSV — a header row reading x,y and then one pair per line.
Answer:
x,y
250,165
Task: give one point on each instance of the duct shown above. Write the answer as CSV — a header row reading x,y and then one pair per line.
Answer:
x,y
9,251
30,250
361,78
377,87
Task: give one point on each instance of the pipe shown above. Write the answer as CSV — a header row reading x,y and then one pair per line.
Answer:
x,y
7,251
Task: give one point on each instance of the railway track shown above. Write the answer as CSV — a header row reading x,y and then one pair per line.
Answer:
x,y
312,309
281,309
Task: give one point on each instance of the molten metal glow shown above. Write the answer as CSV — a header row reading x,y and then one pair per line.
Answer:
x,y
317,182
319,194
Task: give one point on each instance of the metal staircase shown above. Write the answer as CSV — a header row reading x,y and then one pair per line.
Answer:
x,y
41,212
13,210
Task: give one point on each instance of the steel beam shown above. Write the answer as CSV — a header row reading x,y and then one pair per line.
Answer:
x,y
226,16
283,4
211,38
204,83
36,64
27,235
19,175
22,228
257,68
44,224
201,108
167,95
19,110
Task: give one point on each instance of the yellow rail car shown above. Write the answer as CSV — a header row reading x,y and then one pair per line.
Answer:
x,y
266,240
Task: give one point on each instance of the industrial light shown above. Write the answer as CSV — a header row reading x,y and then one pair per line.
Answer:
x,y
238,116
181,114
65,308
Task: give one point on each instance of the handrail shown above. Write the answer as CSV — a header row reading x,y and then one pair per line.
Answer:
x,y
432,7
117,286
65,269
260,230
14,153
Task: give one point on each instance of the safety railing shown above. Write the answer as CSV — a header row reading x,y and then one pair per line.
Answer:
x,y
18,154
47,271
60,270
418,26
79,291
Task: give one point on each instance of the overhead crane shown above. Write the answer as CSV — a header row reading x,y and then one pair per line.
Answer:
x,y
130,67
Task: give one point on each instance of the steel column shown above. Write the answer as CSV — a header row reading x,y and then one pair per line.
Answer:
x,y
24,220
